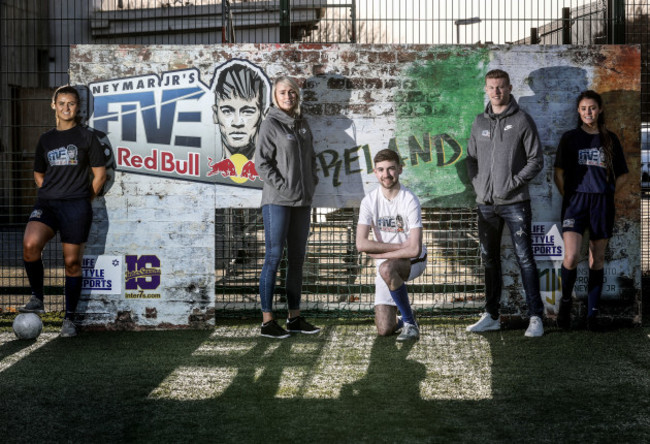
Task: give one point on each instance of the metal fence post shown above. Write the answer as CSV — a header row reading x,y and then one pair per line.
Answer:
x,y
285,21
616,21
566,26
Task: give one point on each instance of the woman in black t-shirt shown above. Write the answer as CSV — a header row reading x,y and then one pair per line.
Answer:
x,y
589,165
64,159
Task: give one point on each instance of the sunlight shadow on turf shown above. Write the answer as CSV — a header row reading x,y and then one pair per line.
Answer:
x,y
13,350
236,359
194,383
458,364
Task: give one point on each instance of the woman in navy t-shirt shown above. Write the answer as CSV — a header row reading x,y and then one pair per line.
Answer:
x,y
589,165
65,157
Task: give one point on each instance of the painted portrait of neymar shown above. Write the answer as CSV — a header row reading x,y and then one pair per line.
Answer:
x,y
242,95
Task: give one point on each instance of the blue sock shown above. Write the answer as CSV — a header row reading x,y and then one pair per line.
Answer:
x,y
401,298
35,275
595,288
72,295
568,282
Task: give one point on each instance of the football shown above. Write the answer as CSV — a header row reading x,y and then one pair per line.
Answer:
x,y
27,326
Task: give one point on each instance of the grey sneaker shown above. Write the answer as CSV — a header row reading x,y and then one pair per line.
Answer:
x,y
535,328
68,329
486,323
409,332
35,305
272,330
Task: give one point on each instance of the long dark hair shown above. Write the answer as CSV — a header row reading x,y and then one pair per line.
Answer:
x,y
605,138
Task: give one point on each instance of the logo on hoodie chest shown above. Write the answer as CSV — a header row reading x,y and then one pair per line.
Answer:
x,y
292,137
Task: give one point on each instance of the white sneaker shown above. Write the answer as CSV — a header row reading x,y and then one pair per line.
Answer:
x,y
409,331
486,323
535,327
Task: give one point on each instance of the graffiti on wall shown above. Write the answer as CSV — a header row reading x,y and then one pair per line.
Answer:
x,y
175,126
241,98
192,112
178,125
200,122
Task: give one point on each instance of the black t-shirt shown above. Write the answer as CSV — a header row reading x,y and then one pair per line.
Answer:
x,y
582,158
65,157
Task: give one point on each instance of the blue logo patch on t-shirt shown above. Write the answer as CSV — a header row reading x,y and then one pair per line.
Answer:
x,y
592,157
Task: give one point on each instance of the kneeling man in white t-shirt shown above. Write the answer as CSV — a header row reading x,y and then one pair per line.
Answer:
x,y
394,214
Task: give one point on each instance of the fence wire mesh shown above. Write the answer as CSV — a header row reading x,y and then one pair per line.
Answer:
x,y
35,40
337,278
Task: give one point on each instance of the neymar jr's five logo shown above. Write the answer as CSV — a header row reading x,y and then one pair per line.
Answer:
x,y
176,126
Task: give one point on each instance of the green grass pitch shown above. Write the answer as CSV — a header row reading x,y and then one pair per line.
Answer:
x,y
344,384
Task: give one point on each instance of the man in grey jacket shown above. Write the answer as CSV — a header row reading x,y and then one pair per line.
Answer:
x,y
504,154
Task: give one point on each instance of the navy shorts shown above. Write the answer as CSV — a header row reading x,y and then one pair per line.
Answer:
x,y
589,210
71,217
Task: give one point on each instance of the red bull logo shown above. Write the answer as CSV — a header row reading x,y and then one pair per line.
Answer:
x,y
162,161
237,168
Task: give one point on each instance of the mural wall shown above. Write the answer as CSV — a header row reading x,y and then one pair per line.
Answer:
x,y
182,122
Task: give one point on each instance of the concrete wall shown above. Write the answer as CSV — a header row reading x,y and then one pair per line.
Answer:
x,y
420,100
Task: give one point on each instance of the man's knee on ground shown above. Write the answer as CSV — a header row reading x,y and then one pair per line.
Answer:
x,y
385,319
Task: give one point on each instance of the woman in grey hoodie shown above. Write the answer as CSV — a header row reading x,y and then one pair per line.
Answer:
x,y
286,162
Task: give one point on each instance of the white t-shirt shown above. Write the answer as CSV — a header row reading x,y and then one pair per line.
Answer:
x,y
391,220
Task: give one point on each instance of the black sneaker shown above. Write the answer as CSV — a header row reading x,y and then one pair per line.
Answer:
x,y
299,325
35,305
564,314
272,330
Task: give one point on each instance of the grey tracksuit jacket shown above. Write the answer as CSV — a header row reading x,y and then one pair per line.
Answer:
x,y
504,153
285,160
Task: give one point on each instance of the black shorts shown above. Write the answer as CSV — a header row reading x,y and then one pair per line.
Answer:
x,y
71,217
589,210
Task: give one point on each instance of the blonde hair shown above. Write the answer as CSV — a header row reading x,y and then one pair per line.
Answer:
x,y
293,85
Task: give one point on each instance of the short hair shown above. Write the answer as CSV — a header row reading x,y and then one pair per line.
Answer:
x,y
387,154
498,74
293,85
239,80
65,89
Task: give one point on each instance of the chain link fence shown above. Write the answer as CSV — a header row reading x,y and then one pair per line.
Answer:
x,y
34,60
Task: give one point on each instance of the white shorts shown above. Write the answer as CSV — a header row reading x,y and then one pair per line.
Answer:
x,y
382,293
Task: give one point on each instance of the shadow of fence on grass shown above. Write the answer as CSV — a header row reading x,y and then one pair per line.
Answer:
x,y
342,385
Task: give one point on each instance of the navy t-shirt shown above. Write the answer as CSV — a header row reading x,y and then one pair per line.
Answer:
x,y
65,157
582,158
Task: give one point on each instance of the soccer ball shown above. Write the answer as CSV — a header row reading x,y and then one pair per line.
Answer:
x,y
27,326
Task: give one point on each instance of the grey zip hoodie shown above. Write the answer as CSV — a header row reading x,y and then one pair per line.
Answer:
x,y
285,160
504,153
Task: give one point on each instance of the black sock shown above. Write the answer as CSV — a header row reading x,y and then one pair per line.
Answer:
x,y
72,295
595,288
568,282
35,275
